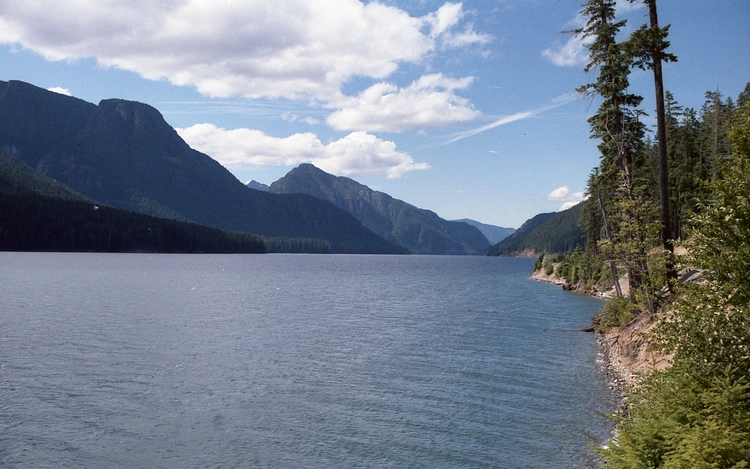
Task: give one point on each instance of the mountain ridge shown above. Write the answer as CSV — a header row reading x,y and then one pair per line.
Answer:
x,y
418,230
38,213
493,233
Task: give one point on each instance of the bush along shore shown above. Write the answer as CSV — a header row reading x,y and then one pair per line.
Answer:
x,y
675,328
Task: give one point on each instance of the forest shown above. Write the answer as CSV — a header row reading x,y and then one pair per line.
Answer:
x,y
660,205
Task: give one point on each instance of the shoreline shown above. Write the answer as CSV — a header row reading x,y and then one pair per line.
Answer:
x,y
625,351
554,280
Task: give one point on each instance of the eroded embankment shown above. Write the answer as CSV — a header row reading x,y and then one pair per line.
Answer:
x,y
626,350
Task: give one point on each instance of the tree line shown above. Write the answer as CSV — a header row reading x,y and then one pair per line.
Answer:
x,y
40,214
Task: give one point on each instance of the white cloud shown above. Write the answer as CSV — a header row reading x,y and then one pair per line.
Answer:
x,y
556,102
428,102
571,54
294,49
623,7
563,194
445,19
569,204
289,117
503,121
285,48
558,194
57,89
356,154
466,38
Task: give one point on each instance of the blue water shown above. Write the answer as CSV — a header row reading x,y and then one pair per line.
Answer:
x,y
287,361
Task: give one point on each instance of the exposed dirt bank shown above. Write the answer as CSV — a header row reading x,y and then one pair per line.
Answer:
x,y
628,352
625,349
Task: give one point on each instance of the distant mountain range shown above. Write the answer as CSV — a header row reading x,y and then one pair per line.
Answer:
x,y
258,186
546,232
123,154
61,156
420,231
494,234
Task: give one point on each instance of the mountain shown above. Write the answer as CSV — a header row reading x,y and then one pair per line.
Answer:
x,y
18,179
420,231
123,154
258,186
494,234
546,232
40,214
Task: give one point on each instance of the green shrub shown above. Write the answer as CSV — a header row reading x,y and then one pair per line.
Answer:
x,y
696,413
539,262
616,313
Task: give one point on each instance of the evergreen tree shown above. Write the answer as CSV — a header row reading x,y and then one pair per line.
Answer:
x,y
648,47
714,141
696,414
718,308
624,201
685,163
595,223
744,97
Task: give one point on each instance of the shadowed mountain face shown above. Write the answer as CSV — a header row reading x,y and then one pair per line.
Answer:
x,y
38,213
420,231
258,186
123,154
34,120
546,232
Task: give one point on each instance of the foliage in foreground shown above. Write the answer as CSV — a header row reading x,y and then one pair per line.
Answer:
x,y
696,414
681,419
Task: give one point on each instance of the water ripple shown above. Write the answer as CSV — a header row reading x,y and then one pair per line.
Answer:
x,y
293,361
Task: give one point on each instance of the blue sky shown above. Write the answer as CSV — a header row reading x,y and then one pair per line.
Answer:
x,y
467,109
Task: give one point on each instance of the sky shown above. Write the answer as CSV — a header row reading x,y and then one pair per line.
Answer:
x,y
467,108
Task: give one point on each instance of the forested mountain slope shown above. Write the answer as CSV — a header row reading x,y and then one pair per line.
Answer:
x,y
546,232
40,214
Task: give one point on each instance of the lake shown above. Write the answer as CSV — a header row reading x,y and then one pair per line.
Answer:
x,y
292,361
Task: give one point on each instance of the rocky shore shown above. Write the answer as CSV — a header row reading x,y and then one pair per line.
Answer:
x,y
625,350
628,352
578,288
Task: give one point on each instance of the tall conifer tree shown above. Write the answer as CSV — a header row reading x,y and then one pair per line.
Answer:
x,y
648,47
616,124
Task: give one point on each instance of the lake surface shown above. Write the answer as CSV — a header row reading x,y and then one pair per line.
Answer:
x,y
294,361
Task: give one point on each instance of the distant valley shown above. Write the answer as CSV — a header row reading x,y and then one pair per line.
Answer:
x,y
546,232
494,234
